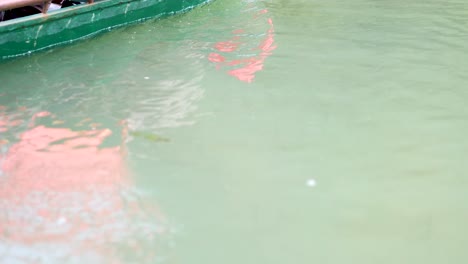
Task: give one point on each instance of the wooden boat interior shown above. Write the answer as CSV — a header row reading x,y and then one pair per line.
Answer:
x,y
11,9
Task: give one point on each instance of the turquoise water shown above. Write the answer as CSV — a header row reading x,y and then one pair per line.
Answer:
x,y
243,132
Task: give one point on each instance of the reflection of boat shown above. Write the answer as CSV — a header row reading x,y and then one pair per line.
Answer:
x,y
35,32
245,65
63,189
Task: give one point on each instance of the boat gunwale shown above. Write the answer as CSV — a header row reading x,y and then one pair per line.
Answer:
x,y
40,18
70,11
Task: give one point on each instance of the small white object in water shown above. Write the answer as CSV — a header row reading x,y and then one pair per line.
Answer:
x,y
62,220
146,78
311,183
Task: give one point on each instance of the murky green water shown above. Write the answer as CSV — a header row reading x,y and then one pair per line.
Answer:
x,y
243,132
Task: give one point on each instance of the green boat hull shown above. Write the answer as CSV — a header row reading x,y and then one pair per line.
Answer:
x,y
37,32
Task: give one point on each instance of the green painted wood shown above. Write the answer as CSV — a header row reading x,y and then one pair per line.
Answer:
x,y
28,34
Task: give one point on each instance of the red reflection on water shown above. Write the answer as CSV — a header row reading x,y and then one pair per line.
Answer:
x,y
215,57
228,46
6,122
247,67
61,186
59,159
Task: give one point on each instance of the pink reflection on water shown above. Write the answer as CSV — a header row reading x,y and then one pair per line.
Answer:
x,y
6,122
246,67
228,46
61,187
61,159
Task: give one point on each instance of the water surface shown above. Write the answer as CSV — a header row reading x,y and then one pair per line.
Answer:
x,y
243,132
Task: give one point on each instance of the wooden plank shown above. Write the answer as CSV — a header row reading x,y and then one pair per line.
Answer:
x,y
11,4
45,6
